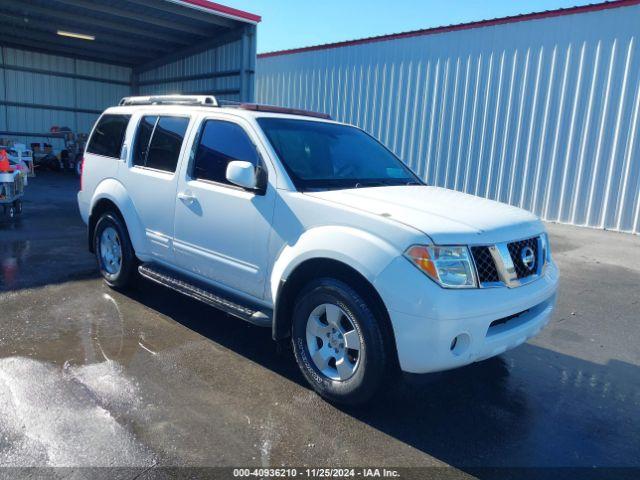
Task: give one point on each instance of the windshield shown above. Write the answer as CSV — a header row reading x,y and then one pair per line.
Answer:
x,y
320,156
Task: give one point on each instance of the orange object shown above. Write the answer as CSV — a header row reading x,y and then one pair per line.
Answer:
x,y
4,162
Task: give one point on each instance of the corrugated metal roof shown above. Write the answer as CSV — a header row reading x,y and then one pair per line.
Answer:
x,y
223,9
460,26
121,32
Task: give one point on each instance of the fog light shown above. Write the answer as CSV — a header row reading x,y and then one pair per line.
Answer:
x,y
460,344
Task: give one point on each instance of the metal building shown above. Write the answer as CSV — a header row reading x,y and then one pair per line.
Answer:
x,y
64,61
538,110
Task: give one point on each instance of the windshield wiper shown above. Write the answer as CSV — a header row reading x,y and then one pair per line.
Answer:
x,y
399,182
372,183
389,182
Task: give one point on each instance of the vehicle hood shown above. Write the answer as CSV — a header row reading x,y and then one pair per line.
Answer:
x,y
447,216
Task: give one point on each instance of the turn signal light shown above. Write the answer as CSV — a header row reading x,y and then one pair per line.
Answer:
x,y
448,266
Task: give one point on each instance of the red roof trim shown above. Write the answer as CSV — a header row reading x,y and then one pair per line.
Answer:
x,y
233,12
462,26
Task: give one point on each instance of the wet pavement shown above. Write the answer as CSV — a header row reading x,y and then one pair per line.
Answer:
x,y
146,378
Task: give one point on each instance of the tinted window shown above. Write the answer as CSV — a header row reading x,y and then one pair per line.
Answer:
x,y
220,143
108,136
161,152
320,155
143,136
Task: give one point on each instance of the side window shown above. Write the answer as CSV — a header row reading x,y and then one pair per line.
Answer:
x,y
143,136
165,145
220,143
158,142
108,136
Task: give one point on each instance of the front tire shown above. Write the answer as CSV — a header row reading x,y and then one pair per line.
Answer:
x,y
338,342
116,259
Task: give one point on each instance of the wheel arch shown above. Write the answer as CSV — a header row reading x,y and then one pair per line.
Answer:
x,y
111,195
320,267
103,205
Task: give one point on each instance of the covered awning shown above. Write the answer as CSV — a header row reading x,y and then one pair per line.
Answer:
x,y
142,34
62,62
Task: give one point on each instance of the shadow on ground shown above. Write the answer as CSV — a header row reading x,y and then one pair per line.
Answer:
x,y
530,407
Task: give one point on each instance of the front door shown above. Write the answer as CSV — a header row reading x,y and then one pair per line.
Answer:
x,y
221,230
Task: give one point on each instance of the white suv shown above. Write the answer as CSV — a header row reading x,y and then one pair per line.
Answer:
x,y
312,228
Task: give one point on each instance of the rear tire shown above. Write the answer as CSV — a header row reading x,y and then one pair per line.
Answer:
x,y
117,261
338,342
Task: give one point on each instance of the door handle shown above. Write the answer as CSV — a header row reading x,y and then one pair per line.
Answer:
x,y
187,197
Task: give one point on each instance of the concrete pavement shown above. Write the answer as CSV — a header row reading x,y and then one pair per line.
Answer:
x,y
147,378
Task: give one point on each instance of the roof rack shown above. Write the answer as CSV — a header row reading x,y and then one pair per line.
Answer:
x,y
202,100
291,111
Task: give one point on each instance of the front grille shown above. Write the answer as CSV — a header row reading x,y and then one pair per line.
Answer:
x,y
515,250
502,321
486,267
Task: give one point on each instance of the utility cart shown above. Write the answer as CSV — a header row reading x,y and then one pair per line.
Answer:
x,y
43,154
11,188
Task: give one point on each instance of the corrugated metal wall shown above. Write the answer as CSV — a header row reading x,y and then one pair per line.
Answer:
x,y
75,91
38,91
224,59
220,70
542,114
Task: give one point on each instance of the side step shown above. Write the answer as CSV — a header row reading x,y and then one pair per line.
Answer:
x,y
207,294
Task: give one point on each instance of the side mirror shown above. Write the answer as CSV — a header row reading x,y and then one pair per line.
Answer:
x,y
242,174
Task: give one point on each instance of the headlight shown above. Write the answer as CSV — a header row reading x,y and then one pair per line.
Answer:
x,y
450,267
546,248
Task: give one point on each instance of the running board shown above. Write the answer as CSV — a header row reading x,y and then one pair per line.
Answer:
x,y
205,293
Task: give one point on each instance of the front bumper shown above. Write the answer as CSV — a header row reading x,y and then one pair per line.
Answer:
x,y
439,329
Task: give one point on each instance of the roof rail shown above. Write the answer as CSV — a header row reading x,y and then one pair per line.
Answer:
x,y
256,107
203,100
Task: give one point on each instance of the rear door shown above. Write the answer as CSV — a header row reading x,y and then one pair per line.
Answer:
x,y
150,177
221,230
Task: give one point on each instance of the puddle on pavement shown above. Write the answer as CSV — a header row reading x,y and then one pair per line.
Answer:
x,y
99,380
13,256
9,225
42,262
52,416
72,323
65,396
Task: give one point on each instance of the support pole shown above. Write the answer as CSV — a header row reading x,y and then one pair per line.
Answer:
x,y
244,59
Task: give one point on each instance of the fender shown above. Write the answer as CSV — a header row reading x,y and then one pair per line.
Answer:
x,y
364,252
111,189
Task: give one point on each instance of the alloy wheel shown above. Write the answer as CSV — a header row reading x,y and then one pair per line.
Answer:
x,y
111,250
333,342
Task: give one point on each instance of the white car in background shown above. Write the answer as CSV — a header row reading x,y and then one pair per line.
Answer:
x,y
314,229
